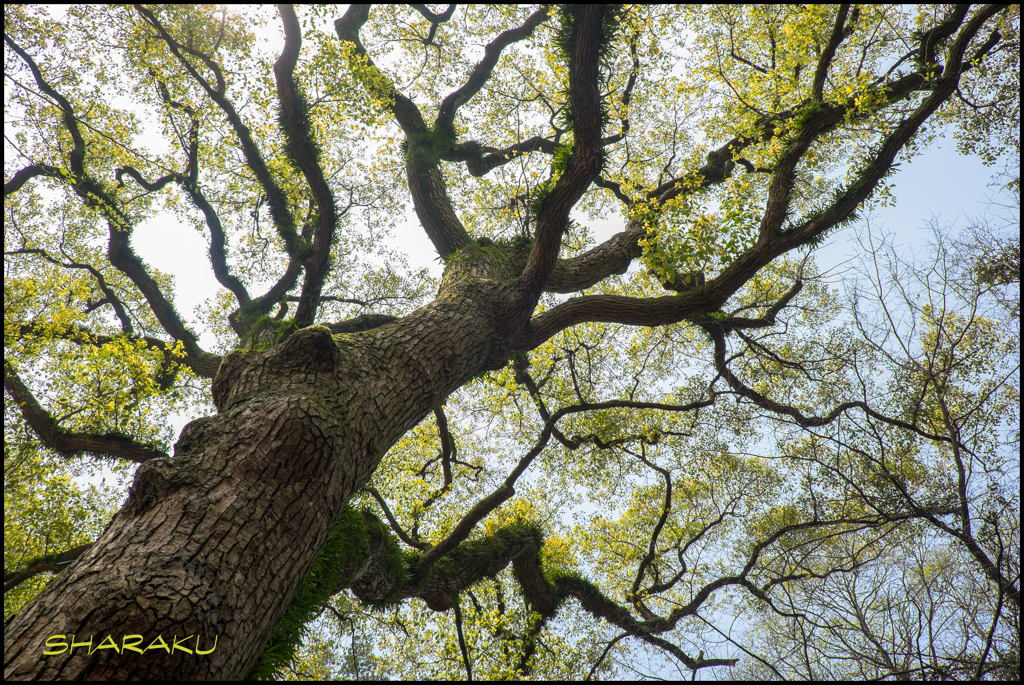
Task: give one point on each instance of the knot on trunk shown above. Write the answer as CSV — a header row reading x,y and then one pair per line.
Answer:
x,y
308,352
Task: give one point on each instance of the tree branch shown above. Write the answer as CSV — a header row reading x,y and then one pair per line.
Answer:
x,y
611,257
865,183
363,322
435,21
188,181
481,159
109,296
482,71
277,200
632,311
402,108
423,147
507,489
399,531
585,41
305,152
119,250
829,53
55,563
70,443
772,242
83,336
23,176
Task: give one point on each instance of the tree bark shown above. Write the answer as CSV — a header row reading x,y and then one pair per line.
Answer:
x,y
211,544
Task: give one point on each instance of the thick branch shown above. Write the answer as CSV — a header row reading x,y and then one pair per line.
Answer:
x,y
435,21
586,37
363,322
119,250
611,257
76,157
23,176
596,604
481,159
188,181
471,562
632,311
55,563
720,161
218,246
430,199
305,153
672,309
882,163
70,443
402,108
121,256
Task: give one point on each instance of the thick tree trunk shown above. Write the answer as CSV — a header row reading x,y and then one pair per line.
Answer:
x,y
211,544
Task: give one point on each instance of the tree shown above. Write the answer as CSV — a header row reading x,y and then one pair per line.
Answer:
x,y
941,601
785,122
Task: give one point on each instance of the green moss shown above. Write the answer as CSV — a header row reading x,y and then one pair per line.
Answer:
x,y
268,332
347,547
351,539
521,242
423,150
396,563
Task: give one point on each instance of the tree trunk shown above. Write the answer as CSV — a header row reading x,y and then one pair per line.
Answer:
x,y
211,544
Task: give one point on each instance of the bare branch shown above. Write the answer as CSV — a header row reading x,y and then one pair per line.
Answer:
x,y
482,71
507,489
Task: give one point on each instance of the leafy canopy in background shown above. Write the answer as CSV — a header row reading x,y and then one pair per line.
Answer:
x,y
703,430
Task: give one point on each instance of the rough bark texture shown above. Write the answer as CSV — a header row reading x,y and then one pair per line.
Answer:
x,y
212,543
300,427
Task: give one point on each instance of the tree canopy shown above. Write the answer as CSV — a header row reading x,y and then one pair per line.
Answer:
x,y
577,454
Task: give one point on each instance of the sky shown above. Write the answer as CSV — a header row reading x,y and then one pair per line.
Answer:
x,y
939,184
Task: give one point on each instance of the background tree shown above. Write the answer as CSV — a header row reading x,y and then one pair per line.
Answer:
x,y
475,414
941,599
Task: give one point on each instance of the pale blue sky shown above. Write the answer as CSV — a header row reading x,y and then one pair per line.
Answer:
x,y
939,183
